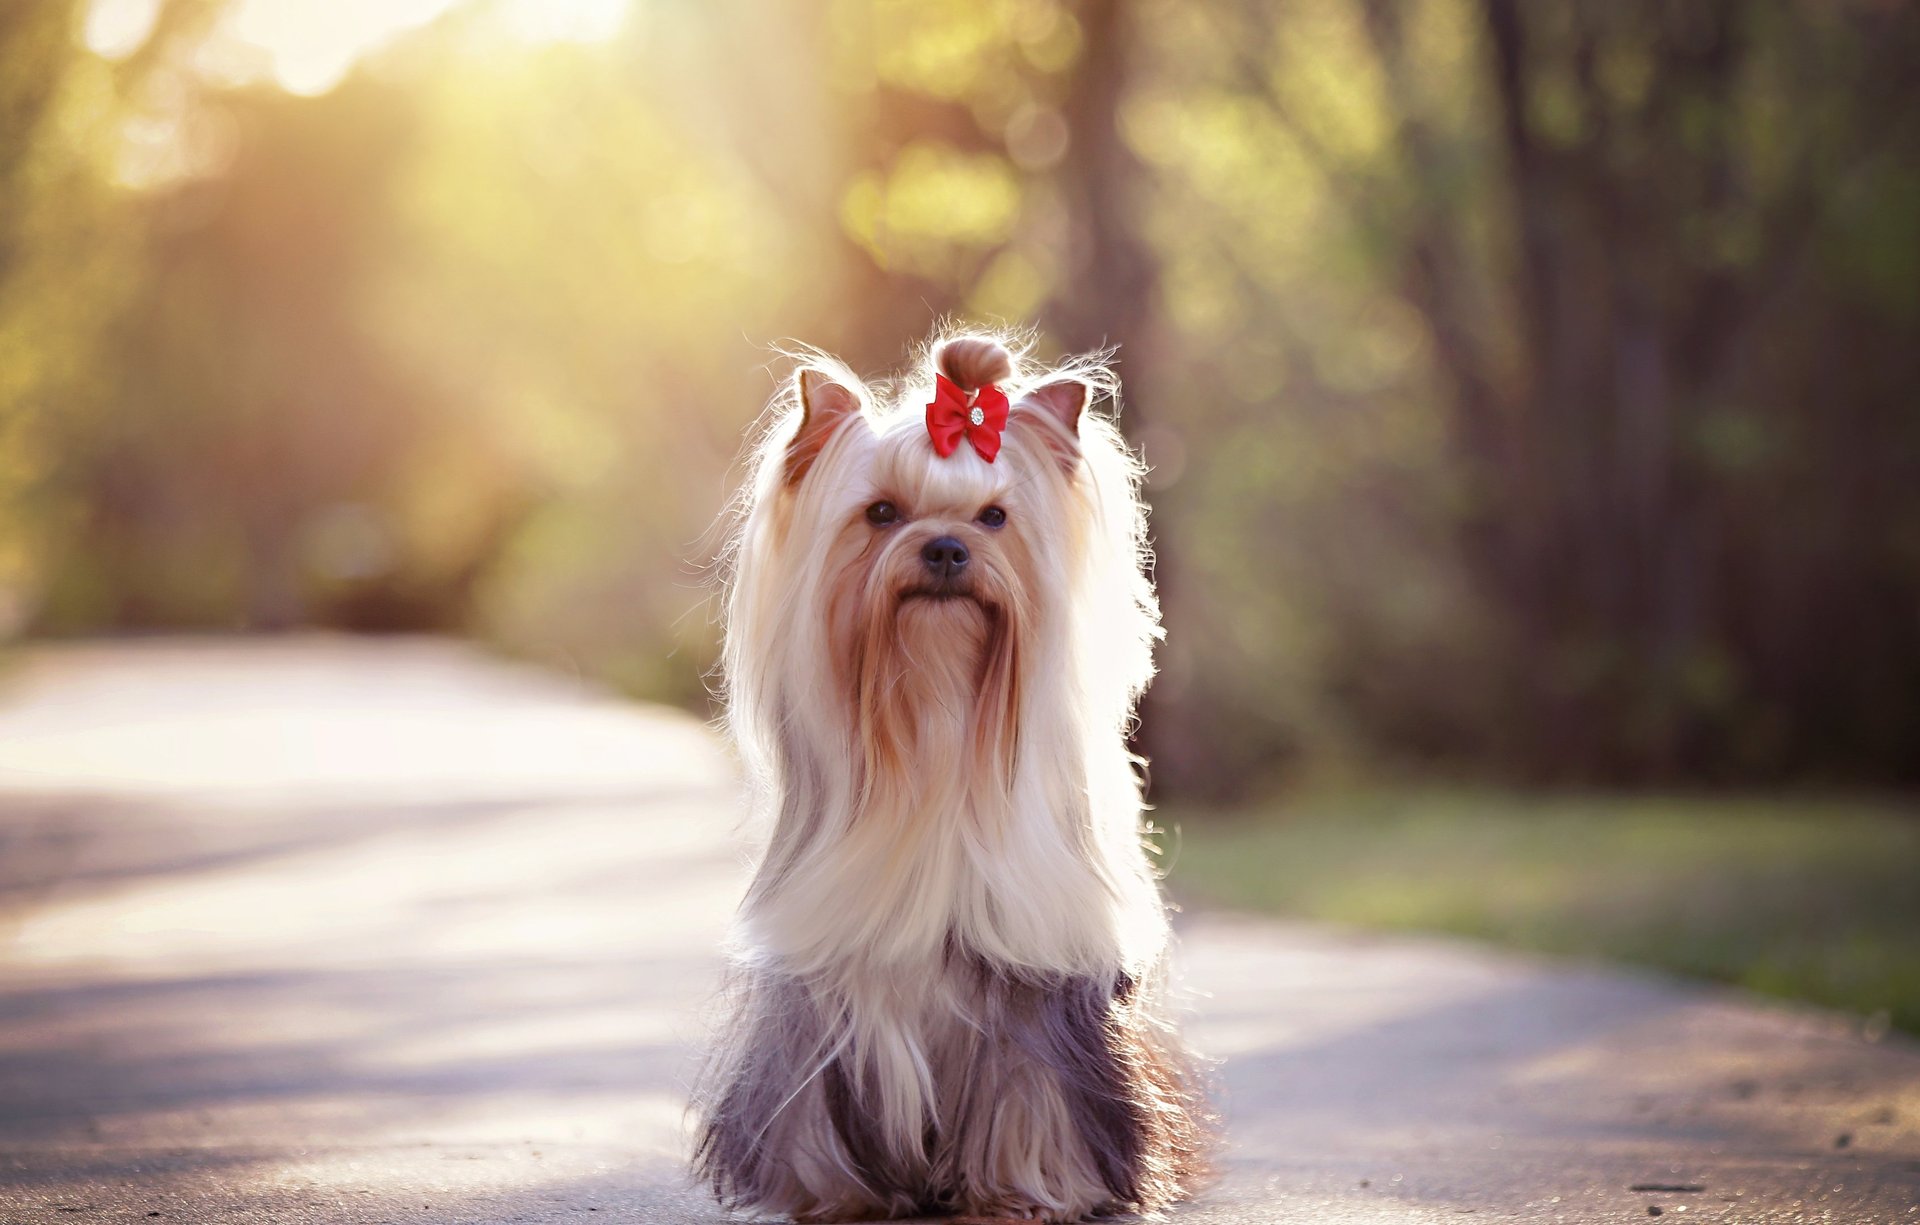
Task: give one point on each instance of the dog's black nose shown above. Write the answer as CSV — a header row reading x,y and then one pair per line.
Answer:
x,y
946,557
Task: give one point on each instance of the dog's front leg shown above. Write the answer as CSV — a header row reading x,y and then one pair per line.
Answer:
x,y
1044,1121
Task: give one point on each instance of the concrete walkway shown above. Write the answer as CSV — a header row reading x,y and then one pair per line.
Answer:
x,y
335,931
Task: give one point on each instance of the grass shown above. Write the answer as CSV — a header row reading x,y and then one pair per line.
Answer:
x,y
1816,901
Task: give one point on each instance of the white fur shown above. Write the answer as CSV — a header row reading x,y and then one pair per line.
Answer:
x,y
1050,872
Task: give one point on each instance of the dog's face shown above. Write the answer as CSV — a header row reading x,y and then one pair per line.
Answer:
x,y
934,572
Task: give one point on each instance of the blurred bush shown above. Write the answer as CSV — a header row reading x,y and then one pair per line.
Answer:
x,y
1528,385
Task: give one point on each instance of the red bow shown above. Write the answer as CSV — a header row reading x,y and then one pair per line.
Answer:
x,y
980,415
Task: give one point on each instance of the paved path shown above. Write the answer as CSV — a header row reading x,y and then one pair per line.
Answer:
x,y
349,932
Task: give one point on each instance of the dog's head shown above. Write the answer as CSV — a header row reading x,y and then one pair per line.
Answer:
x,y
920,570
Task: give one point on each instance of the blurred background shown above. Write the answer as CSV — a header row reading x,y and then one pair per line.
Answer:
x,y
1529,389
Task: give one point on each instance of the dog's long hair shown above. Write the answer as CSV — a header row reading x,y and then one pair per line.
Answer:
x,y
948,967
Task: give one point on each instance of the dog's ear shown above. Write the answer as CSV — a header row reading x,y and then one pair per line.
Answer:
x,y
1053,409
825,406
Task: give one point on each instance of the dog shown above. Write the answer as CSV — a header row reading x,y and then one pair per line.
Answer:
x,y
947,977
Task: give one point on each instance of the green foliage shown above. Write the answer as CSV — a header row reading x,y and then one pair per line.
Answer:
x,y
1552,300
1528,386
64,269
1810,900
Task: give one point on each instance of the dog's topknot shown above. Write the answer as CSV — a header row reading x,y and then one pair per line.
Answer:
x,y
973,361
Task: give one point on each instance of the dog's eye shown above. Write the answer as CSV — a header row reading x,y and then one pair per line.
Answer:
x,y
880,514
993,516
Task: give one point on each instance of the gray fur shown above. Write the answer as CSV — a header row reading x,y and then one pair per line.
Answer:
x,y
1003,1049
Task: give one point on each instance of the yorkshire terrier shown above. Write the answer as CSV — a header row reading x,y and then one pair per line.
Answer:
x,y
948,969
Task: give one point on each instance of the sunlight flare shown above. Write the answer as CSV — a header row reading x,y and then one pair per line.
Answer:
x,y
307,47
